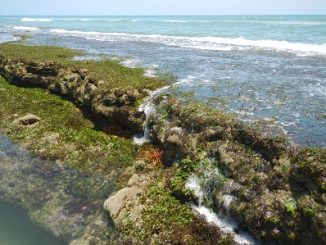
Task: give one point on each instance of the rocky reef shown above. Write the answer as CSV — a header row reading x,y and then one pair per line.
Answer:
x,y
273,190
117,106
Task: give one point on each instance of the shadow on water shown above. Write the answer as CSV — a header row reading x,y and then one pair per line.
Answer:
x,y
66,202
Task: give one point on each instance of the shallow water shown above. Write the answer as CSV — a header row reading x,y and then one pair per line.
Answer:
x,y
64,201
260,67
16,228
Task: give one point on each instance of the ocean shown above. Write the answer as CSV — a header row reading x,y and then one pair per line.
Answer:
x,y
269,68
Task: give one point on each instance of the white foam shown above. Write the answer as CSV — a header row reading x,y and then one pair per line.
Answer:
x,y
25,28
139,139
227,225
192,184
132,63
150,72
36,20
148,108
8,38
176,21
205,43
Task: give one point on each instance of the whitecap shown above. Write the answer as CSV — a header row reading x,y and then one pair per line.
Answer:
x,y
36,20
204,43
25,28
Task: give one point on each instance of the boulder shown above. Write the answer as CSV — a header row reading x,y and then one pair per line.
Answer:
x,y
29,119
118,203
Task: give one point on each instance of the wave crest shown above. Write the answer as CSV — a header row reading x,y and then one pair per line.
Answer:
x,y
36,20
204,43
25,28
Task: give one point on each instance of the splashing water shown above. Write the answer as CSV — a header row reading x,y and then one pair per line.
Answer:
x,y
225,223
148,108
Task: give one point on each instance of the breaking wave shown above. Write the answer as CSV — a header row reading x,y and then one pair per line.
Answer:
x,y
35,20
25,28
204,43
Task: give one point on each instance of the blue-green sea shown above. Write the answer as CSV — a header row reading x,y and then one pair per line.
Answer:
x,y
270,68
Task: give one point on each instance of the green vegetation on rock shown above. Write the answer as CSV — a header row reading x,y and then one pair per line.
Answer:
x,y
62,133
116,75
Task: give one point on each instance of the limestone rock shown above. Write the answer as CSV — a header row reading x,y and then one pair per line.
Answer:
x,y
118,203
29,119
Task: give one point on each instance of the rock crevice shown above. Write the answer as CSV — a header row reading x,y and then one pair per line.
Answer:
x,y
114,104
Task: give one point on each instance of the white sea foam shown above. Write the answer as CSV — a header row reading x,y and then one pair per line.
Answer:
x,y
36,20
176,21
99,19
25,28
227,225
148,108
132,63
204,43
8,38
150,73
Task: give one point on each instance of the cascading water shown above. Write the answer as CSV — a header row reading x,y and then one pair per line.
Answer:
x,y
148,107
224,222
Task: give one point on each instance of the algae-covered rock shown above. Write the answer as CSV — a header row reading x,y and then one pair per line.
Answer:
x,y
278,190
116,105
118,203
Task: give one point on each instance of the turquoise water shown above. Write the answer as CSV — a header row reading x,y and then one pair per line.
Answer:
x,y
270,68
17,229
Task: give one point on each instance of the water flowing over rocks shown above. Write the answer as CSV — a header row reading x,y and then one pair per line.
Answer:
x,y
278,190
267,187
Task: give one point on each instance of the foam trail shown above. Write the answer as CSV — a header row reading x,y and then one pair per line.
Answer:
x,y
204,43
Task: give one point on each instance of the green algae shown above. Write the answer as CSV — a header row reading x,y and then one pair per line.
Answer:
x,y
111,71
63,133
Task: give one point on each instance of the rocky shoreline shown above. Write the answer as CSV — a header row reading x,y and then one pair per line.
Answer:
x,y
115,105
272,189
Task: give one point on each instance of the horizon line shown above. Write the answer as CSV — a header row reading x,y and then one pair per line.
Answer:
x,y
94,15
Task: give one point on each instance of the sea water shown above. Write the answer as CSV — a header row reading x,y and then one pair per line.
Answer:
x,y
16,228
270,68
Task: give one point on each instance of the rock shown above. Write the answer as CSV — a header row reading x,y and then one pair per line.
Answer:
x,y
212,134
72,77
29,119
118,203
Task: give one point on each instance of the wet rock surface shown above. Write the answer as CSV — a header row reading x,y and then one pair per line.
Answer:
x,y
278,190
274,190
115,105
